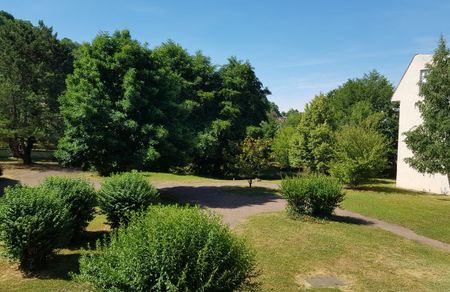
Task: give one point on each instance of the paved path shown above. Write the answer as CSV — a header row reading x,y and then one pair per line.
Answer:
x,y
394,228
233,207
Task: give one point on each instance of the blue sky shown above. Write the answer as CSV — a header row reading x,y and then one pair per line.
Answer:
x,y
298,48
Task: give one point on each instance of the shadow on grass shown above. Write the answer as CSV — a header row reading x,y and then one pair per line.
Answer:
x,y
60,266
87,240
6,182
389,190
65,263
349,220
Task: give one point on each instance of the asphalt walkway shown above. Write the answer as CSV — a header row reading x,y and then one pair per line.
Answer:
x,y
218,196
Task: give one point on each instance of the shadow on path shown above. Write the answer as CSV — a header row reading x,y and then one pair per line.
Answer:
x,y
235,207
216,197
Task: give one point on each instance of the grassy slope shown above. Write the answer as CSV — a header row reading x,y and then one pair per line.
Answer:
x,y
426,214
367,259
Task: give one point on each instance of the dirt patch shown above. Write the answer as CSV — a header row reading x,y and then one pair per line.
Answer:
x,y
320,280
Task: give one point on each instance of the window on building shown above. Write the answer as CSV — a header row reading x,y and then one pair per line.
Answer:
x,y
423,75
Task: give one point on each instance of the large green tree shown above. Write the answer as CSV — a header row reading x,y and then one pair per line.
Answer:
x,y
198,80
360,153
312,144
33,68
430,142
241,102
219,106
119,107
367,102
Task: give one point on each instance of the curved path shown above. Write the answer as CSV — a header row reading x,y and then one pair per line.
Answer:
x,y
218,196
234,208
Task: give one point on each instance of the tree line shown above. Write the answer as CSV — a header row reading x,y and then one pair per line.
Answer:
x,y
350,132
114,104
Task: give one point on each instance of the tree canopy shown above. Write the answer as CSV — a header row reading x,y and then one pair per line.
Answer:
x,y
312,143
33,68
359,154
363,102
118,106
127,106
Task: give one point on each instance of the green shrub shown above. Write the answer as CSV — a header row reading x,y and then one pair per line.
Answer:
x,y
123,194
79,198
360,154
170,248
312,195
33,221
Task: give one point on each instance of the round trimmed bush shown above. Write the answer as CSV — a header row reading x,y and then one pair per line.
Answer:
x,y
170,248
123,194
79,198
312,195
33,222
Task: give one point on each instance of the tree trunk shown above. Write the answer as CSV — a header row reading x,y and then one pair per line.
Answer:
x,y
27,147
24,147
448,178
14,147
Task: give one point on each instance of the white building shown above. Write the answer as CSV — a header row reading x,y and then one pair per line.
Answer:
x,y
407,93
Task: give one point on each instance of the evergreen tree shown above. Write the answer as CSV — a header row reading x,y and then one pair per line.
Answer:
x,y
33,68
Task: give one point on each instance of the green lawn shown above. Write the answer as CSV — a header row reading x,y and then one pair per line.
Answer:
x,y
164,177
426,214
287,250
158,177
365,258
56,276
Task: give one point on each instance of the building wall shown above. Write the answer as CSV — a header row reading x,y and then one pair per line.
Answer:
x,y
407,93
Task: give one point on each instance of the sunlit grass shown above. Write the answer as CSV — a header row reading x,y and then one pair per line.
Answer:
x,y
365,258
424,213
